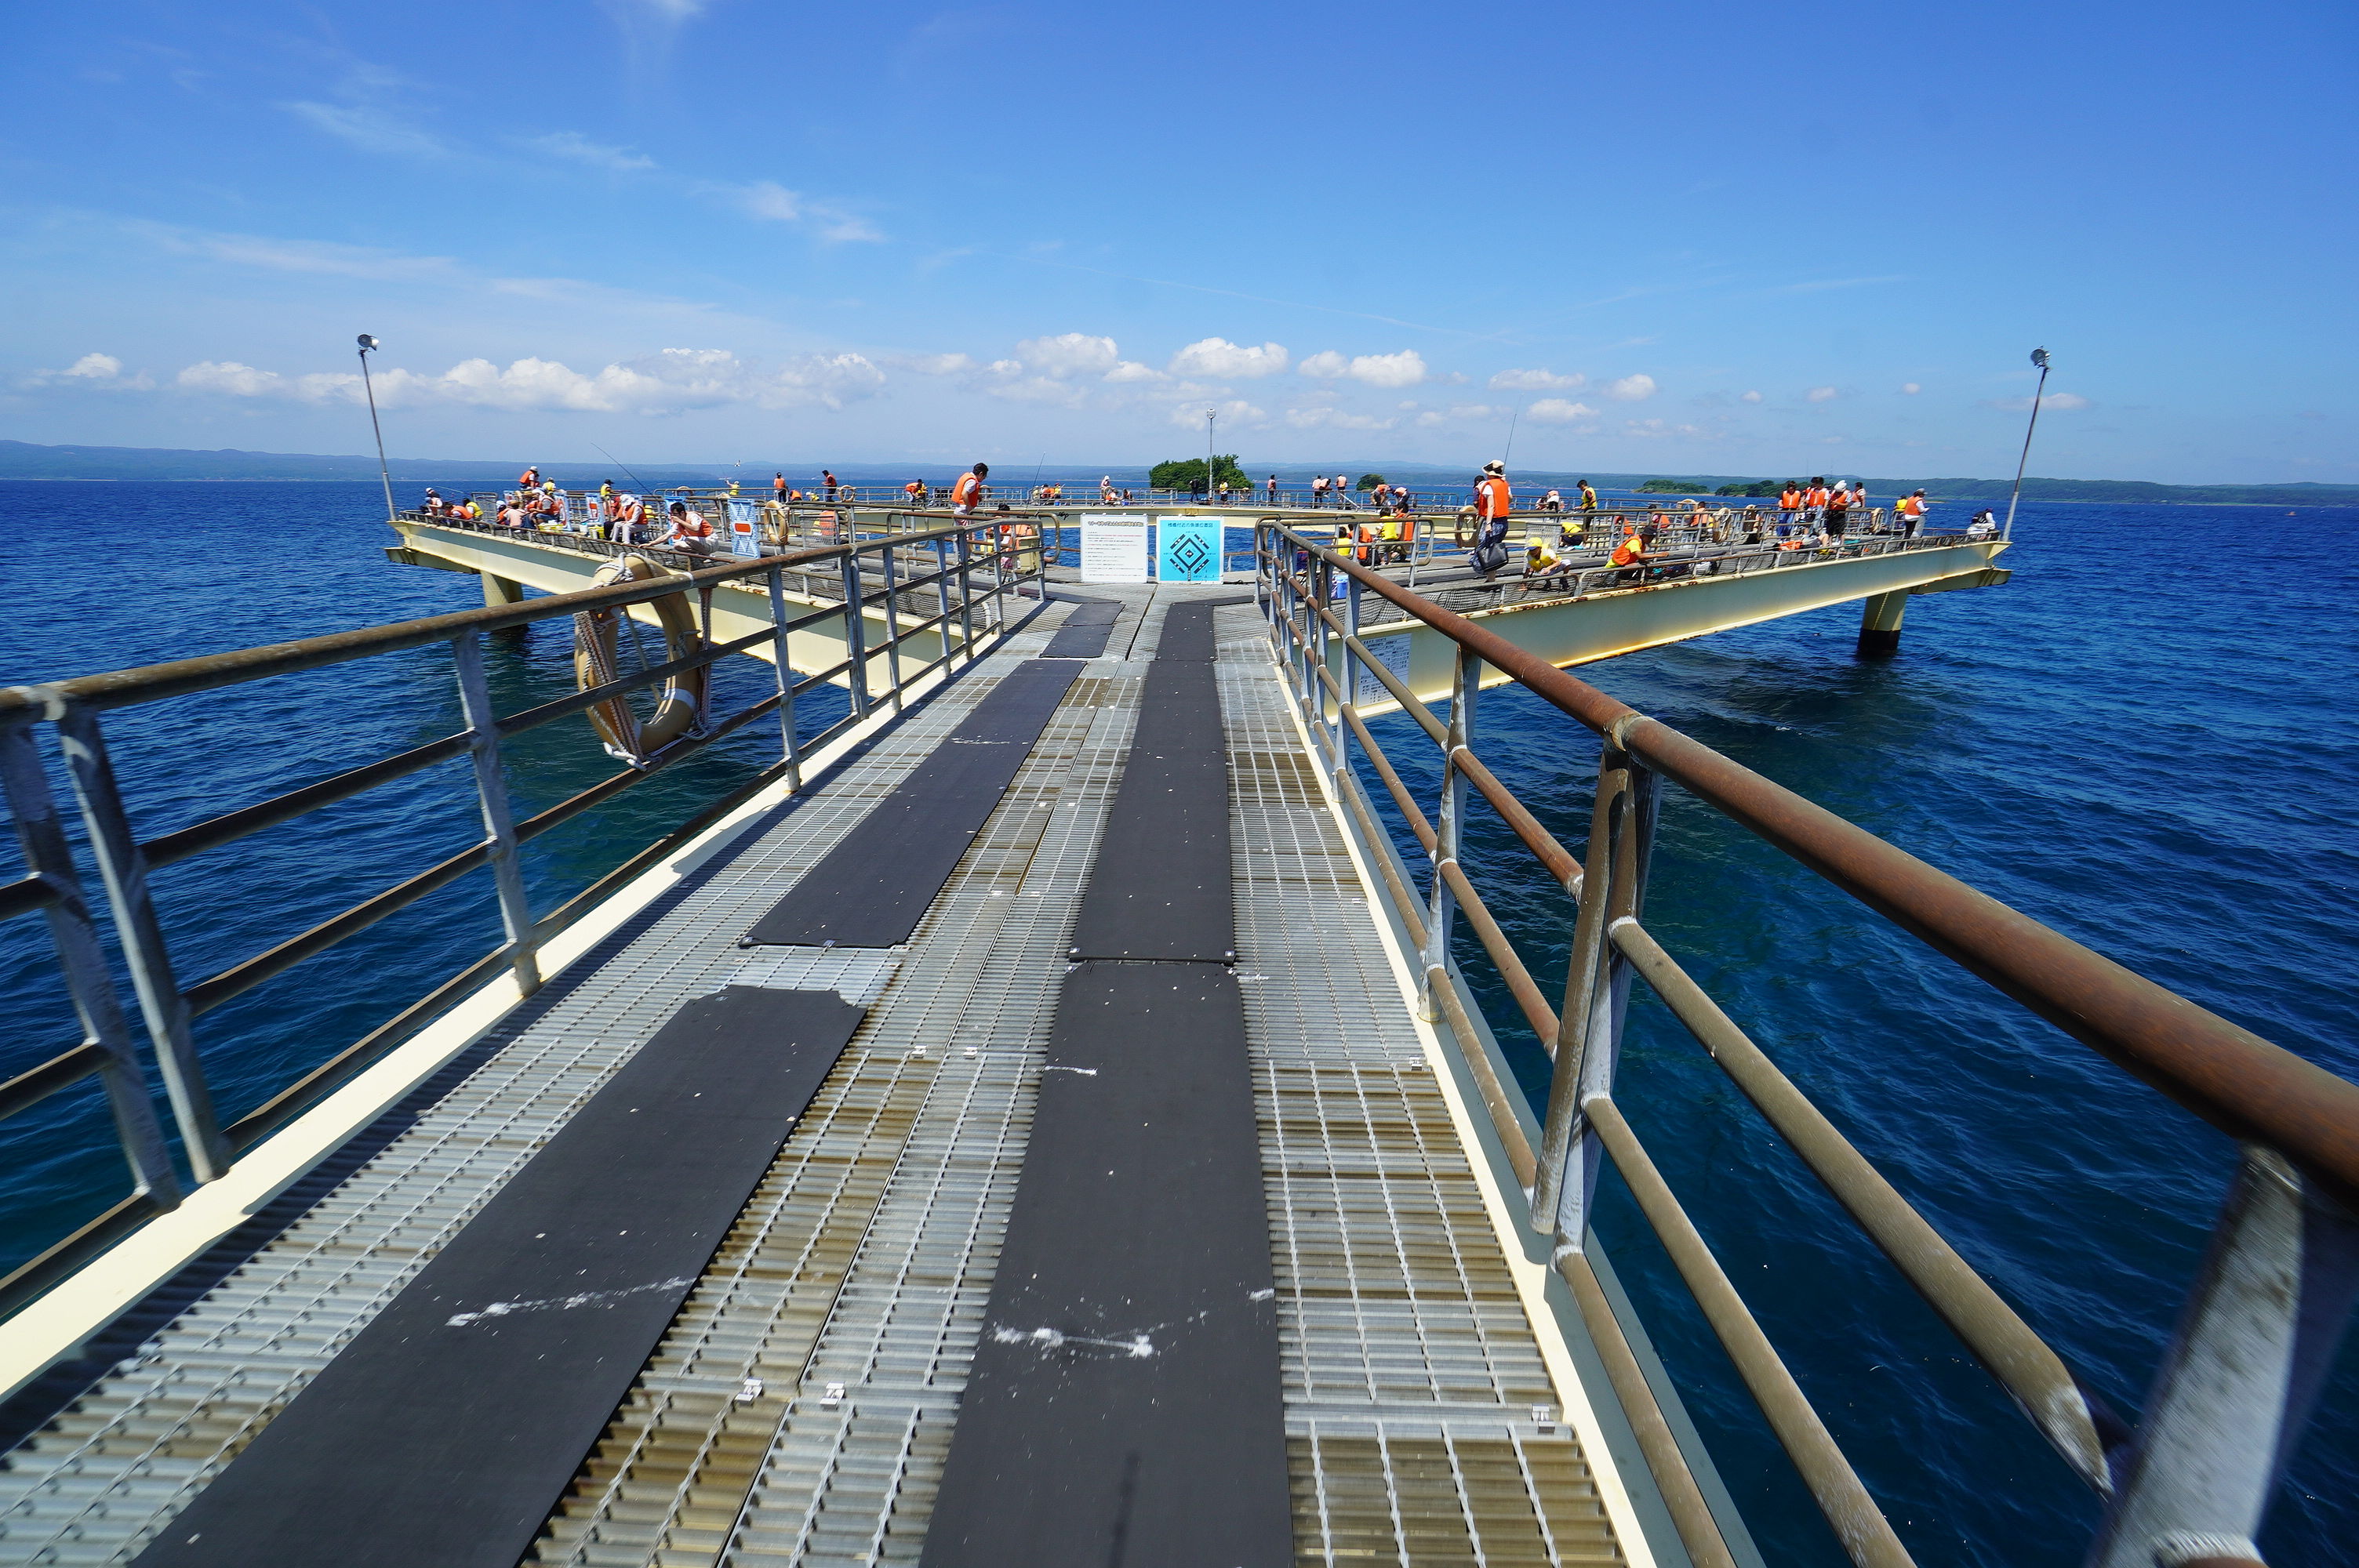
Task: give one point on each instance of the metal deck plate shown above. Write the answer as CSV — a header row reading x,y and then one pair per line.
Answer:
x,y
798,1408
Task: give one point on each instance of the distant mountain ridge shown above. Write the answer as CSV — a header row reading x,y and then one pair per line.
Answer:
x,y
28,461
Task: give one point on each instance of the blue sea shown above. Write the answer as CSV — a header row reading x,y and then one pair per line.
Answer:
x,y
2144,740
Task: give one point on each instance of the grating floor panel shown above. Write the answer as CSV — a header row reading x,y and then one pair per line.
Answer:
x,y
799,1408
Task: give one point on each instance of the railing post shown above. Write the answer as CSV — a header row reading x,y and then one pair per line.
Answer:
x,y
942,601
892,622
499,823
1350,681
856,633
1449,822
2254,1344
1596,993
964,548
42,839
122,871
791,747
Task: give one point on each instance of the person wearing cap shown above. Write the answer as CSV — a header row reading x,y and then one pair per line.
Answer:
x,y
1912,513
1839,512
1631,554
1494,499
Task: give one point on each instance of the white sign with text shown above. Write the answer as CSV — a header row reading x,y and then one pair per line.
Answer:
x,y
1113,548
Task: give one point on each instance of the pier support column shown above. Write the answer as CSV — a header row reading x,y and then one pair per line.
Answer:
x,y
1879,623
500,590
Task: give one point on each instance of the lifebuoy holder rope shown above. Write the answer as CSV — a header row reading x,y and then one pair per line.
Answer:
x,y
681,702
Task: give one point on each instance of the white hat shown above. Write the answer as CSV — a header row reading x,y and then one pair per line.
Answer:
x,y
1494,467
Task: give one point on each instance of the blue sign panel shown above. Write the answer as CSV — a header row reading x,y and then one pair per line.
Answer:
x,y
1188,550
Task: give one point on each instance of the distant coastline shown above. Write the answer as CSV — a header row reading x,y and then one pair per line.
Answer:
x,y
28,460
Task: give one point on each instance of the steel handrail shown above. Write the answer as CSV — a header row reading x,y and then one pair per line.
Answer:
x,y
2244,1085
977,568
208,672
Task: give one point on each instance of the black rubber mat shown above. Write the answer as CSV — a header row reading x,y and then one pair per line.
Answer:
x,y
449,1428
873,887
1082,634
1161,886
1188,632
1125,1405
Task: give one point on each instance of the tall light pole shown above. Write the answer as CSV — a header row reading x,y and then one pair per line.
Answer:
x,y
384,472
1211,417
2039,358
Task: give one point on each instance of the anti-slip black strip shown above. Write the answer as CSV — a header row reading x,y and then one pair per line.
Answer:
x,y
1083,632
1160,888
1125,1403
1188,632
873,887
450,1427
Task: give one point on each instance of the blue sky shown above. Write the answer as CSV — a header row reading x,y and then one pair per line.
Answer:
x,y
1679,237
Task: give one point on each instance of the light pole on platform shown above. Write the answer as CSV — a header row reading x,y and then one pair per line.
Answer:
x,y
2039,358
1211,417
384,472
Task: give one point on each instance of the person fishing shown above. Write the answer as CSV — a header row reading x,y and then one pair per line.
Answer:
x,y
1493,501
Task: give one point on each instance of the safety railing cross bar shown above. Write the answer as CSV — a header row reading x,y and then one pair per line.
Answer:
x,y
2286,1249
971,567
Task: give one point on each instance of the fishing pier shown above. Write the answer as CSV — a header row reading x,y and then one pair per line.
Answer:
x,y
1042,1117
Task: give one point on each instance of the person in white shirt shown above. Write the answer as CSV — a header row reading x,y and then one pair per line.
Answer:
x,y
1343,493
1319,490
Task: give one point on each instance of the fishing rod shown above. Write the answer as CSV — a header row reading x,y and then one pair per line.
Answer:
x,y
1511,431
623,466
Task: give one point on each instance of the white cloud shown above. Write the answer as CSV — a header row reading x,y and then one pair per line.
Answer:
x,y
1911,388
666,383
371,130
96,367
1556,411
1406,368
1233,414
1631,389
1131,370
1750,397
1538,381
1069,354
1819,395
1324,419
573,144
937,364
319,257
1224,361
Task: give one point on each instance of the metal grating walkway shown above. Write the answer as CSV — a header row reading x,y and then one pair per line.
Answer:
x,y
799,1408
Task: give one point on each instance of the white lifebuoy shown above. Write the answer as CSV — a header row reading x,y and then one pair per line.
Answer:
x,y
679,701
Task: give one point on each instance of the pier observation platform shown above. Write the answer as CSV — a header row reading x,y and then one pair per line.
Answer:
x,y
1043,1119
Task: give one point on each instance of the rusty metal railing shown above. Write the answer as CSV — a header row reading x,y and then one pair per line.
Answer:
x,y
2192,1482
971,574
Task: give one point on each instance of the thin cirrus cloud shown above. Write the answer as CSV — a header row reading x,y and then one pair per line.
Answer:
x,y
1406,368
371,130
580,148
672,382
769,201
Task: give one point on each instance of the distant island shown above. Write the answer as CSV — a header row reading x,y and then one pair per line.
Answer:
x,y
28,461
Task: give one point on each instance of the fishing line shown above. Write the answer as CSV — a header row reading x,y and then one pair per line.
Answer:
x,y
620,464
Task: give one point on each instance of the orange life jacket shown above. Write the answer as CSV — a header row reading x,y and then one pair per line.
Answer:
x,y
1629,551
966,491
1816,497
1493,498
1790,500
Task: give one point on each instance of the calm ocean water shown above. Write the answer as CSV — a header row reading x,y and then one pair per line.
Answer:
x,y
2144,740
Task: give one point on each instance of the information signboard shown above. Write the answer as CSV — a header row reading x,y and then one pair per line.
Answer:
x,y
1188,550
742,539
1113,548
